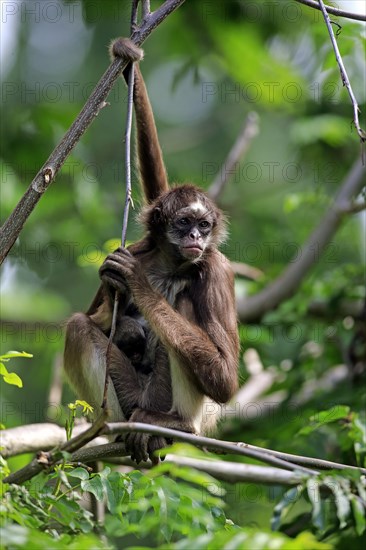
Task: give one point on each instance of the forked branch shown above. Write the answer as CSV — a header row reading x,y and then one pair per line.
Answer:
x,y
344,75
334,11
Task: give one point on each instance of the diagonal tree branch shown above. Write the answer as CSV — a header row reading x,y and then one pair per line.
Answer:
x,y
10,230
334,11
253,308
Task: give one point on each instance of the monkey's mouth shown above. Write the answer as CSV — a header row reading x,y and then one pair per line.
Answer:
x,y
192,251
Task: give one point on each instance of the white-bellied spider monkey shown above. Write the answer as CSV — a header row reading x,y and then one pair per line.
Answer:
x,y
176,346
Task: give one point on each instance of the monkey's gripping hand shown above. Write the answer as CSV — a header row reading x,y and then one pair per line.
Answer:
x,y
118,269
122,272
142,446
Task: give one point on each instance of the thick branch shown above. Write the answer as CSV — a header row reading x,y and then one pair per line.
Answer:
x,y
253,308
334,11
276,458
201,441
13,225
232,472
33,437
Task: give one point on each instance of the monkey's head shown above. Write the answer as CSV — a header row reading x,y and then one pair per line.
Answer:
x,y
185,221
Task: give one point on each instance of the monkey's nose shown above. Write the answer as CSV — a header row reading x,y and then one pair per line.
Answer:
x,y
195,235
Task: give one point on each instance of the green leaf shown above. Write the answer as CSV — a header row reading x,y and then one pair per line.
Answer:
x,y
357,434
79,473
93,485
318,513
342,502
281,509
358,514
331,415
332,129
13,379
339,412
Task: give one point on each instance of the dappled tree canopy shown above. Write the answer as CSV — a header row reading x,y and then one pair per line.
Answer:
x,y
262,74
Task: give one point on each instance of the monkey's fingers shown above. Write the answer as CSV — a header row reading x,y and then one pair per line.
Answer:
x,y
113,283
120,263
155,444
115,271
136,446
123,252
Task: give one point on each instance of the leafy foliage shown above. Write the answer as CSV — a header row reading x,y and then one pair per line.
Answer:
x,y
171,507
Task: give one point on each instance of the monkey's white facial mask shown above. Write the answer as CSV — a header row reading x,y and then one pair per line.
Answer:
x,y
190,230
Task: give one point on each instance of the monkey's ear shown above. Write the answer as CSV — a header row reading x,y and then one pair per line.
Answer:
x,y
156,216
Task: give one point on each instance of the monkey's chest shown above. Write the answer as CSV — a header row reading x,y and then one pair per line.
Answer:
x,y
171,288
173,291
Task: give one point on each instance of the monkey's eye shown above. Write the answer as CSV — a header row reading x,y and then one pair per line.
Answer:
x,y
204,224
183,221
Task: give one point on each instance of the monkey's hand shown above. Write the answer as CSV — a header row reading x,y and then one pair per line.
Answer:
x,y
122,271
142,446
118,269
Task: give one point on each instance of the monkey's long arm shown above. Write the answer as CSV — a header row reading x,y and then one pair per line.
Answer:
x,y
210,358
151,164
208,353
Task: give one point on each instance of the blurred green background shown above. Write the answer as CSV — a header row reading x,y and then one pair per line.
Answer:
x,y
206,67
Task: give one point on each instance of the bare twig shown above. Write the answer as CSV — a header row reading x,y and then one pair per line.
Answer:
x,y
254,307
353,207
13,225
258,383
344,75
247,271
249,131
201,441
145,8
334,11
134,10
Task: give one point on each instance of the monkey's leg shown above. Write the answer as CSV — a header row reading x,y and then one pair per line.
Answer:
x,y
84,363
142,446
157,395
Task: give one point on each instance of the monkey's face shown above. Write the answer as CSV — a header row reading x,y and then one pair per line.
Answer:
x,y
184,223
190,230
